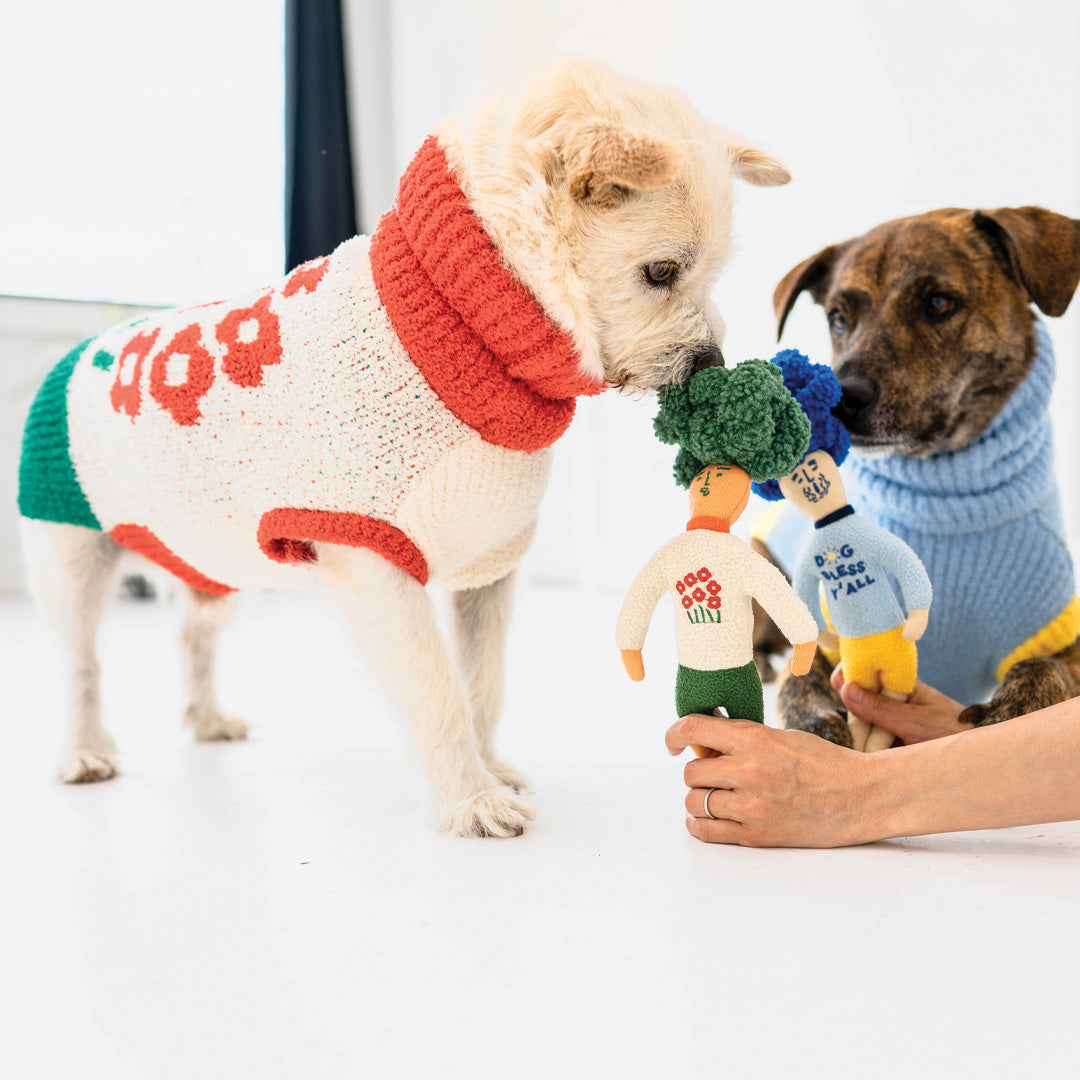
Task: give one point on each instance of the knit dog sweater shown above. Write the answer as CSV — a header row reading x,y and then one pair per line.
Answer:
x,y
986,523
399,395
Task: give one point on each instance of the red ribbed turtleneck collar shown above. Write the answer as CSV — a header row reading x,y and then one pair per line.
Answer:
x,y
478,336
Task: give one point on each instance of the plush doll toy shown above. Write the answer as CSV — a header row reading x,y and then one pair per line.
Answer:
x,y
733,426
843,573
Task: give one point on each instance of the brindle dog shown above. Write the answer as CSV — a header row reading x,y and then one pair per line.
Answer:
x,y
932,331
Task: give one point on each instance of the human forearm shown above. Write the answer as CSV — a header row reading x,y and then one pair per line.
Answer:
x,y
1022,772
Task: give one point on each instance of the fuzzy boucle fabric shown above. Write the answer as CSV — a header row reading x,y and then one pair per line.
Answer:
x,y
399,394
743,416
817,390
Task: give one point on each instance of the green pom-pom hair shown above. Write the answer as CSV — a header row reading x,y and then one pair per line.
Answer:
x,y
741,416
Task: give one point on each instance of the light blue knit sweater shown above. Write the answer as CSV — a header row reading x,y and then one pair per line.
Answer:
x,y
986,522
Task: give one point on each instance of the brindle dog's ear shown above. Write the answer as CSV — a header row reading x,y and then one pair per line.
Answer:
x,y
813,274
1041,250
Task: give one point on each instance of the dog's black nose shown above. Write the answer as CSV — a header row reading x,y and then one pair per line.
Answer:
x,y
709,356
857,393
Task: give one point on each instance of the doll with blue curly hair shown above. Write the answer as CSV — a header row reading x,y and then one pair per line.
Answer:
x,y
844,572
733,426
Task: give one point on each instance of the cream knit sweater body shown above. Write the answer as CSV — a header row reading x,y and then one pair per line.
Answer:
x,y
343,422
712,577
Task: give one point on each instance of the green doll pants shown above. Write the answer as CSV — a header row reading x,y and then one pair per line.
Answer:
x,y
735,690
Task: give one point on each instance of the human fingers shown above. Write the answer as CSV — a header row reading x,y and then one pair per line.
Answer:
x,y
928,714
717,806
705,732
717,832
836,679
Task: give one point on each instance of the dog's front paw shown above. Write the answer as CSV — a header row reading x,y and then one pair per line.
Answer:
x,y
213,727
491,812
88,767
507,775
830,725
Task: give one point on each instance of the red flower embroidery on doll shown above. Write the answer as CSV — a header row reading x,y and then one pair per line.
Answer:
x,y
181,399
713,587
691,578
703,574
680,587
125,394
252,340
714,602
306,278
687,603
698,595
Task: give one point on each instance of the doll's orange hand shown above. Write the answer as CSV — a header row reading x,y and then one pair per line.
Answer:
x,y
802,656
915,626
635,666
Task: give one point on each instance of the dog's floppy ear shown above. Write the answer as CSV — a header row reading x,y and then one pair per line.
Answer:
x,y
813,274
600,156
1041,249
756,167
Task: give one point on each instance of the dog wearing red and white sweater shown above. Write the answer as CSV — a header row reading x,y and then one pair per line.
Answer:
x,y
383,417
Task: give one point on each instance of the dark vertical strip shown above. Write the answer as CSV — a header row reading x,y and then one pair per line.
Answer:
x,y
320,207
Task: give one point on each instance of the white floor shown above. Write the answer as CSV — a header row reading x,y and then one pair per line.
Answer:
x,y
282,908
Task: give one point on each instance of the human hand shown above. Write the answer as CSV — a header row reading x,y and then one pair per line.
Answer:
x,y
771,788
632,661
915,624
927,714
802,656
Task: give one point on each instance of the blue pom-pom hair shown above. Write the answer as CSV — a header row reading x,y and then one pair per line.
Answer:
x,y
817,390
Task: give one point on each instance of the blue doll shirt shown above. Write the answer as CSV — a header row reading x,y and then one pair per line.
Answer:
x,y
848,562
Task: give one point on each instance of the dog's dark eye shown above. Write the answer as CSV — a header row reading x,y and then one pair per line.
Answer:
x,y
837,322
661,273
938,305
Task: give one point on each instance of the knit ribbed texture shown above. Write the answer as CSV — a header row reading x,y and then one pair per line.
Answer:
x,y
48,487
224,441
480,339
986,523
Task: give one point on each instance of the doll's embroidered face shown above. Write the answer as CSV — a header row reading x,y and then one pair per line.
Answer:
x,y
719,491
814,485
809,478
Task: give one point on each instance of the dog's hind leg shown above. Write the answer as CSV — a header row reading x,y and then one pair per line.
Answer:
x,y
395,620
809,703
1030,685
71,571
203,621
480,621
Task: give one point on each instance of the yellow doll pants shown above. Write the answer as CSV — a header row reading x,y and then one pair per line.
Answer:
x,y
886,661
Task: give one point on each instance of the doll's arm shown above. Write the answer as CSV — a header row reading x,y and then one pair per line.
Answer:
x,y
636,614
915,625
913,580
790,613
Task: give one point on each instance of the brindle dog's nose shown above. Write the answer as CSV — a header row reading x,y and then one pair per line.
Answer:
x,y
709,356
857,393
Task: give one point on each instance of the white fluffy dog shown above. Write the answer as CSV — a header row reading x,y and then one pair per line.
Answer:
x,y
383,417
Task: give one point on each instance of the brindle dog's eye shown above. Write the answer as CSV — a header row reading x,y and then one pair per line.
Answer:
x,y
661,273
938,305
837,321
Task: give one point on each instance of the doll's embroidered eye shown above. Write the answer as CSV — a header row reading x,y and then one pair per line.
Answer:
x,y
661,273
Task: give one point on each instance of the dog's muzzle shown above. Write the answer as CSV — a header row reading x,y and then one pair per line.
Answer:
x,y
709,356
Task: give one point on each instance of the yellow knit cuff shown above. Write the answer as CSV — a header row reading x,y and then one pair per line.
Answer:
x,y
765,522
1052,638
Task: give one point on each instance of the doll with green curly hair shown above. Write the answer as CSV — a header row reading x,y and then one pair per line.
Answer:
x,y
732,426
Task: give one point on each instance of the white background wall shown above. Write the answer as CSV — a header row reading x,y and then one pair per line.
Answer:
x,y
879,109
142,155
